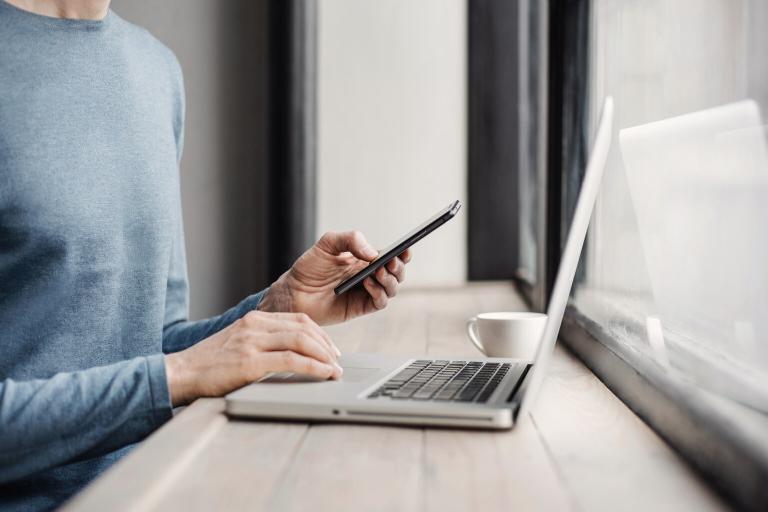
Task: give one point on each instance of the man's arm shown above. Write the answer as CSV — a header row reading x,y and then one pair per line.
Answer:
x,y
49,422
72,416
306,288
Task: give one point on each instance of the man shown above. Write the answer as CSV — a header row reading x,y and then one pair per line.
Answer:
x,y
95,345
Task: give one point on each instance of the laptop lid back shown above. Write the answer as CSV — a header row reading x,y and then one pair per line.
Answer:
x,y
570,258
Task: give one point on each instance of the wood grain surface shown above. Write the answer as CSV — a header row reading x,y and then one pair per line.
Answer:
x,y
582,449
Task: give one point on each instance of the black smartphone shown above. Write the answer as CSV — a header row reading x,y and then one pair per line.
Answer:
x,y
397,248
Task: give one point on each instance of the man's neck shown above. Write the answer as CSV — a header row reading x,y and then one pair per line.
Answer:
x,y
69,9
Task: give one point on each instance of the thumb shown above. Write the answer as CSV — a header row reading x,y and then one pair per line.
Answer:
x,y
348,241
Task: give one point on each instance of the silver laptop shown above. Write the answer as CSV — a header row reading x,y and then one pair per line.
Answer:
x,y
478,393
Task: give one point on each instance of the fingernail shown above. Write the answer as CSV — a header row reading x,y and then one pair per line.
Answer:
x,y
371,252
341,370
338,352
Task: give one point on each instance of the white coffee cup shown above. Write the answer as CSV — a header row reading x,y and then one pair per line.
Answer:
x,y
514,334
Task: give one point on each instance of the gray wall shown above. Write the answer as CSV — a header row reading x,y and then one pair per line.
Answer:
x,y
391,128
392,125
221,51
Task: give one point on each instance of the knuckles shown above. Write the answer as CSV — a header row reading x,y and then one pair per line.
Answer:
x,y
356,238
301,339
251,318
308,366
243,341
303,318
246,353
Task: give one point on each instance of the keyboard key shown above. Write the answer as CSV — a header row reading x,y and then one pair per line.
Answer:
x,y
467,395
444,380
404,393
447,393
424,393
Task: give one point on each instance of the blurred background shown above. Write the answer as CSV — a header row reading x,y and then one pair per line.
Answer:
x,y
305,117
312,115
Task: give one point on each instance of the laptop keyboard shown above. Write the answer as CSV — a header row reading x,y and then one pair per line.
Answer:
x,y
457,381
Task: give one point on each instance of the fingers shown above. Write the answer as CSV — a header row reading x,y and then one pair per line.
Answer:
x,y
348,241
387,280
302,346
396,267
289,361
299,342
378,296
302,320
406,256
278,322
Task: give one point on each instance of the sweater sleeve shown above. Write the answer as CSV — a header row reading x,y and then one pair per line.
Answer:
x,y
76,415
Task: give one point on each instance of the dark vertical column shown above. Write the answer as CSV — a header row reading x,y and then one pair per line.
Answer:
x,y
492,187
291,95
566,124
243,63
554,141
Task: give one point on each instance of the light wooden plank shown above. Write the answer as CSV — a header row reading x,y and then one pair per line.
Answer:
x,y
608,457
354,467
490,471
140,480
468,470
343,467
238,470
399,329
446,319
447,313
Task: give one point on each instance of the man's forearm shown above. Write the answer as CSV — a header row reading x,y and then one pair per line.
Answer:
x,y
49,422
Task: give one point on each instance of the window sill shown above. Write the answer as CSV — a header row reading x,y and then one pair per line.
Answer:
x,y
725,441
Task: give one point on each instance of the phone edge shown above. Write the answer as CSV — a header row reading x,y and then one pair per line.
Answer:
x,y
356,279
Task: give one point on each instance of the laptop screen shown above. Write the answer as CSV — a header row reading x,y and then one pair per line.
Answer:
x,y
570,258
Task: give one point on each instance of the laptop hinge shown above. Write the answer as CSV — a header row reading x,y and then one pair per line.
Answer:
x,y
518,384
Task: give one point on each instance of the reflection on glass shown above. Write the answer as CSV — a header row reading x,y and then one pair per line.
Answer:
x,y
698,184
677,261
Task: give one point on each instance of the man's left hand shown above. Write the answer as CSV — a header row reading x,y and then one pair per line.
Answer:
x,y
308,286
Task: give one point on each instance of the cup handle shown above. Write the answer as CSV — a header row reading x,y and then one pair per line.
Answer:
x,y
473,336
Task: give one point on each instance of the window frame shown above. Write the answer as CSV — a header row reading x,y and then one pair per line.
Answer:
x,y
492,140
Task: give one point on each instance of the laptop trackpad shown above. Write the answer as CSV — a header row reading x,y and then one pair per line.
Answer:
x,y
351,374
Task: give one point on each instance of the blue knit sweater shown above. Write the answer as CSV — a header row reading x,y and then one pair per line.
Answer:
x,y
93,286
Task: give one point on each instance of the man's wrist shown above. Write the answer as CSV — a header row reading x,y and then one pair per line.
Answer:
x,y
278,298
178,388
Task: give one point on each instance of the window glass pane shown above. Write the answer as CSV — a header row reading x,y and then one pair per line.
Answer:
x,y
532,137
676,264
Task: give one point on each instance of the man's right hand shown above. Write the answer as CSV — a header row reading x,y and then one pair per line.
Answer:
x,y
250,348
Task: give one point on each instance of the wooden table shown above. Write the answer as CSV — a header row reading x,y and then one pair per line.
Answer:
x,y
581,449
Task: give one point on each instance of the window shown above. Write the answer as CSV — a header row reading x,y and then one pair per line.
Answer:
x,y
532,98
680,237
674,276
